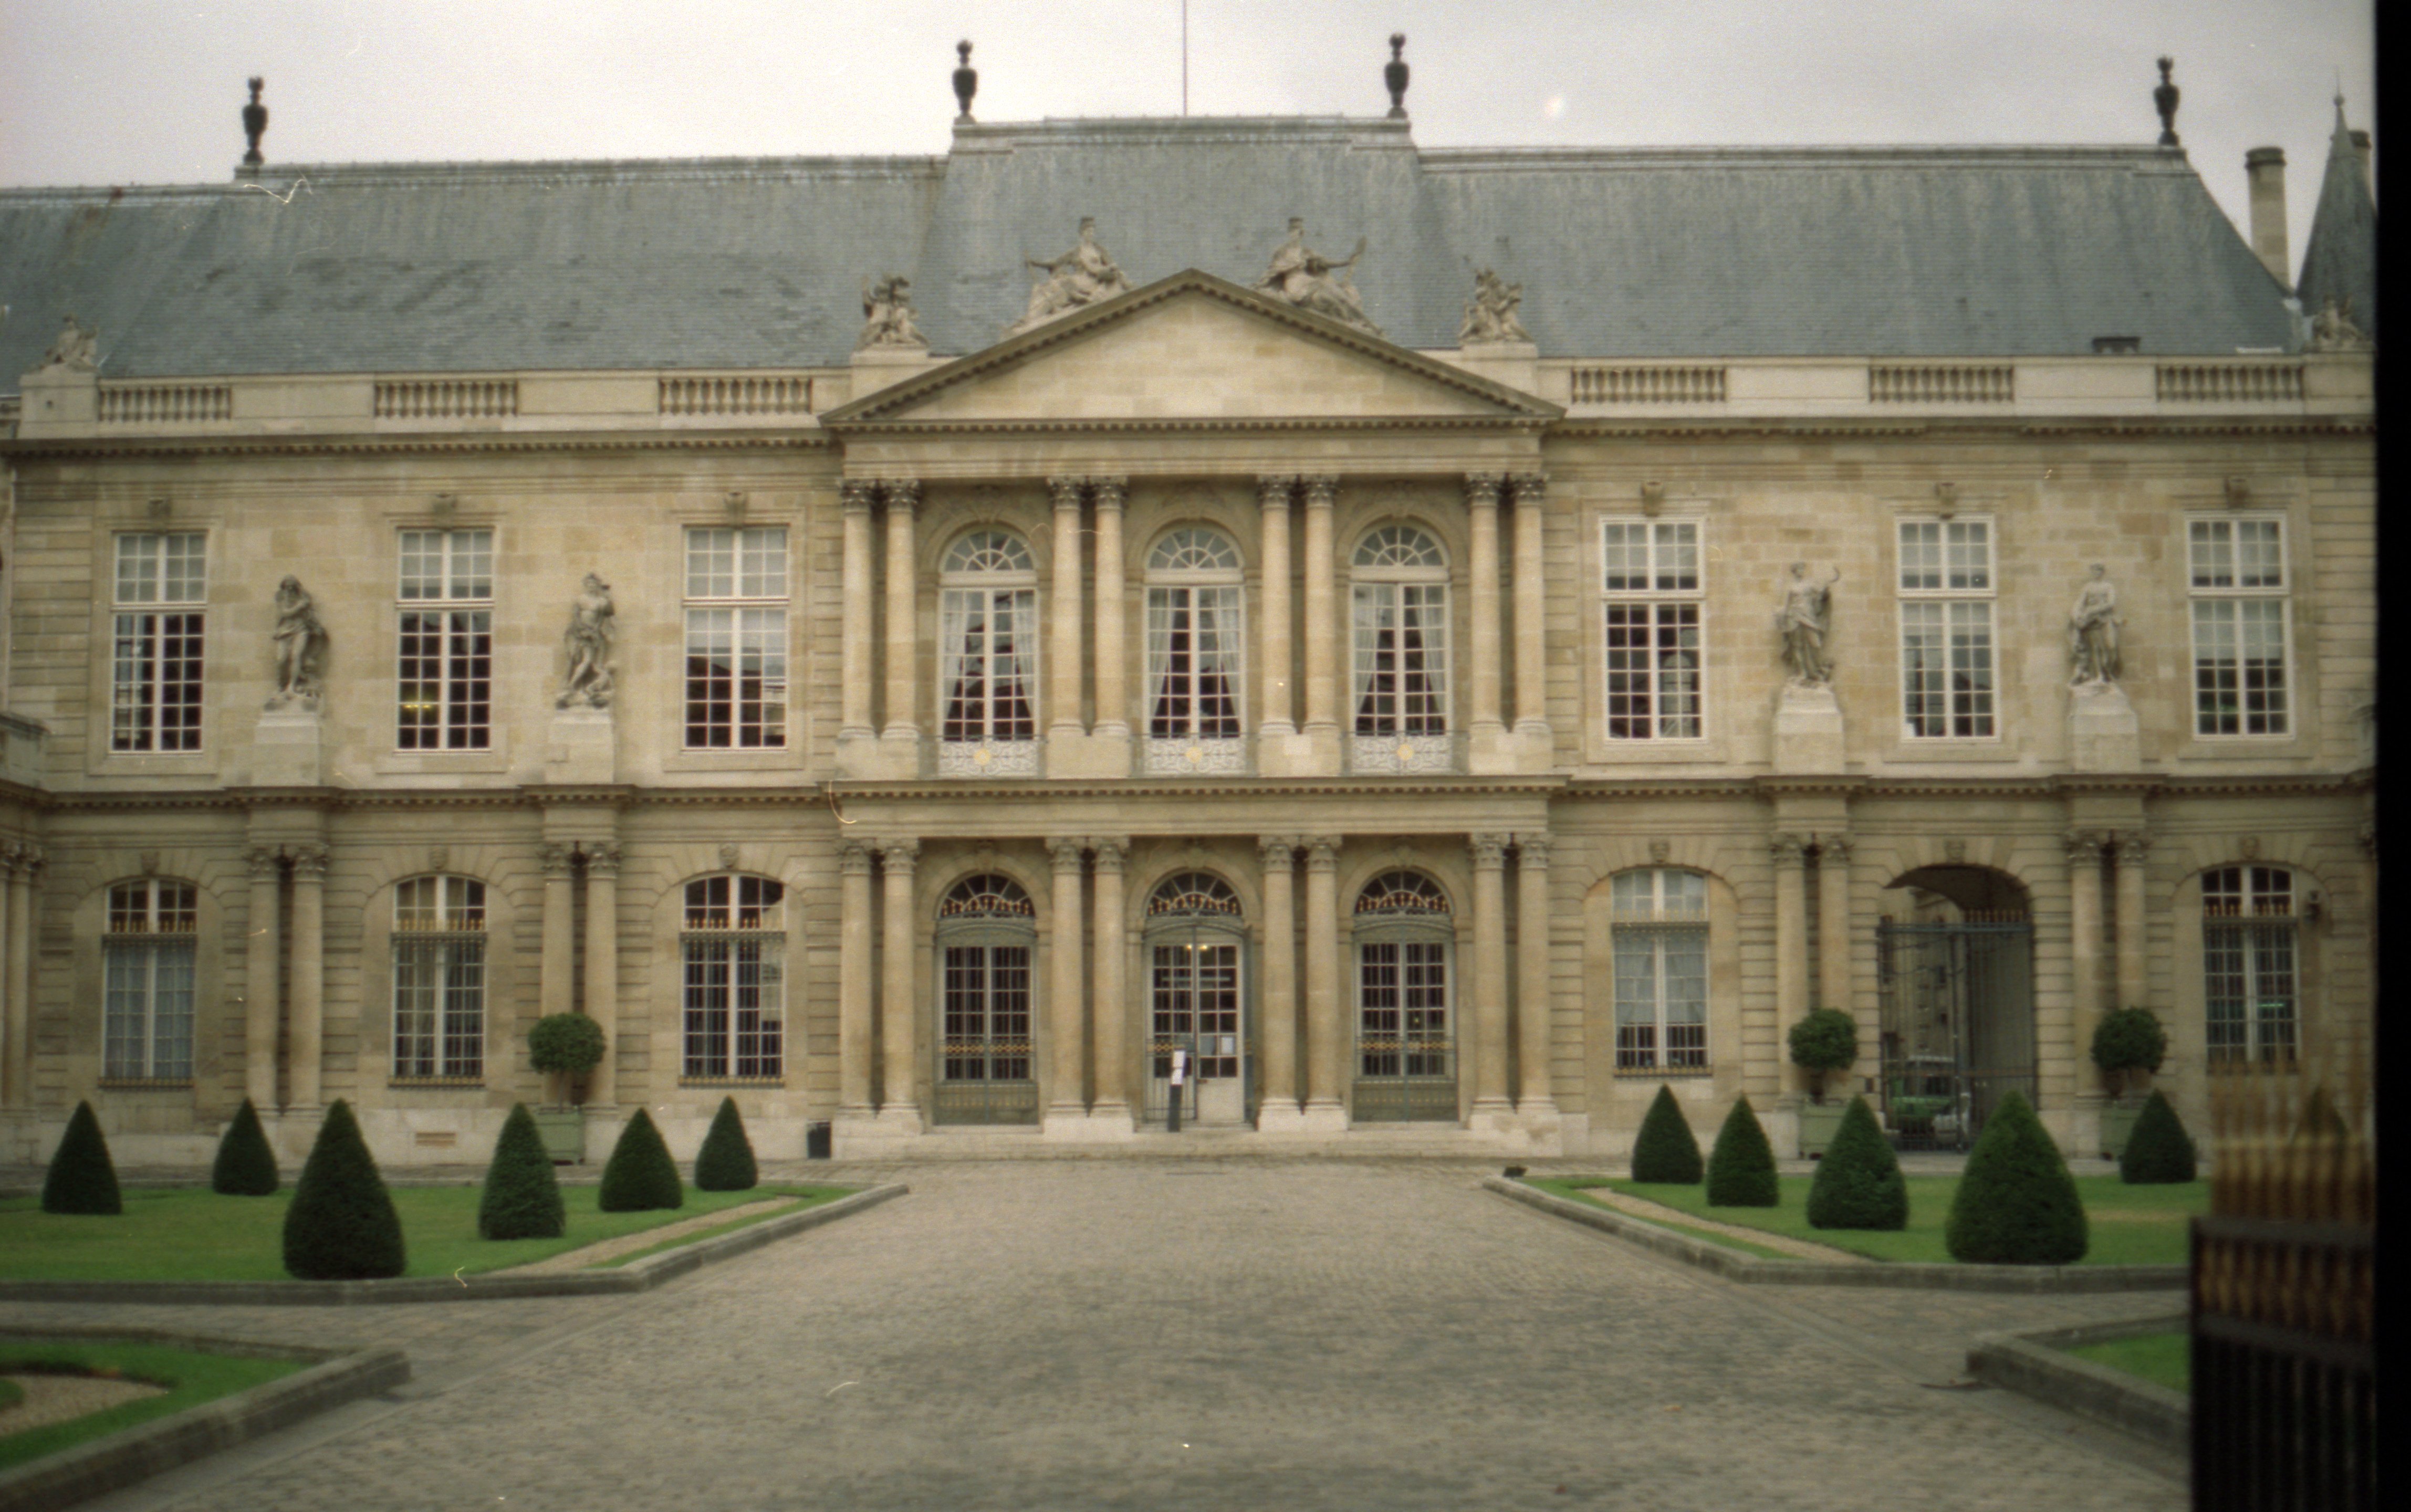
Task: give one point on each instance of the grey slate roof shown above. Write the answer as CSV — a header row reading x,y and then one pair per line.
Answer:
x,y
1648,253
2340,262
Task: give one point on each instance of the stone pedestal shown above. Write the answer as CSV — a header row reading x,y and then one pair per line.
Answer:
x,y
878,758
877,368
1808,730
1515,364
1084,755
580,748
60,398
1493,750
2102,734
288,748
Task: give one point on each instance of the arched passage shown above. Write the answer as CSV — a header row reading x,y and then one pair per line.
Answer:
x,y
1956,977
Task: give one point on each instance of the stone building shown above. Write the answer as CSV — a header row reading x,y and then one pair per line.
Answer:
x,y
919,682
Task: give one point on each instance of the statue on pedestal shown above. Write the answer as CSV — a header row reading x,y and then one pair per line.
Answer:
x,y
887,315
1298,275
300,642
2093,631
2332,330
1490,314
1082,276
77,348
588,641
1806,614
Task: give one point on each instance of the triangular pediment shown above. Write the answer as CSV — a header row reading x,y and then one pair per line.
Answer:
x,y
1193,348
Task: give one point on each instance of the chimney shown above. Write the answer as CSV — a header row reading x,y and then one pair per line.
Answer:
x,y
2264,167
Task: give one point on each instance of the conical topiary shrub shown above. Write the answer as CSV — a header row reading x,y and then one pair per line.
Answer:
x,y
2016,1204
1665,1150
641,1174
1858,1183
81,1178
521,1200
725,1162
342,1226
245,1167
1741,1167
2158,1151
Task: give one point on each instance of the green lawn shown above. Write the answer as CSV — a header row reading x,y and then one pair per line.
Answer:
x,y
193,1378
197,1235
2129,1225
2161,1359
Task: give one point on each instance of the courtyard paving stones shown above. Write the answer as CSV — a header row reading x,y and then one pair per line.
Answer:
x,y
1241,1333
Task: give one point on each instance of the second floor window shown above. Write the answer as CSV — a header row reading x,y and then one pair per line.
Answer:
x,y
1946,630
2237,572
1400,591
1194,644
156,660
1652,614
445,674
737,638
987,645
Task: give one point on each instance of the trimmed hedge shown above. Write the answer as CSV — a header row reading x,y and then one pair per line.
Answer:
x,y
1824,1042
342,1226
245,1166
82,1178
1858,1183
2158,1151
640,1175
725,1162
521,1200
1741,1167
2016,1204
2127,1040
1665,1150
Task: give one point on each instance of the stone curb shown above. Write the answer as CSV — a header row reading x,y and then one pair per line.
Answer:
x,y
636,1275
147,1449
1916,1276
2036,1365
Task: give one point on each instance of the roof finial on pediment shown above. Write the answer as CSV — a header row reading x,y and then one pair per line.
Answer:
x,y
2164,99
255,125
1393,74
965,81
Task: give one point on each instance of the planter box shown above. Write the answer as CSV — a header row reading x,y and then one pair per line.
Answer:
x,y
565,1134
2117,1123
1818,1123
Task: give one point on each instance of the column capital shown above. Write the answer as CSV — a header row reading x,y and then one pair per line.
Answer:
x,y
2132,847
855,496
1112,851
264,862
309,861
1533,851
902,495
1833,849
1280,852
1272,492
1065,492
1787,849
900,853
1109,492
1065,853
1481,490
558,857
1321,851
1489,852
854,858
601,858
2084,847
1321,490
1528,488
25,857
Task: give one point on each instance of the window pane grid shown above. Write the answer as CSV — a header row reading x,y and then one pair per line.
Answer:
x,y
733,1003
1652,671
1194,649
989,663
452,565
2250,967
445,679
147,981
1660,942
1401,654
157,657
736,678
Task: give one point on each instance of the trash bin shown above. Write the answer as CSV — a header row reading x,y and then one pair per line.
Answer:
x,y
816,1142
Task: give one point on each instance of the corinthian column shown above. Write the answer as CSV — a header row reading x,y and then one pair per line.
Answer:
x,y
1833,921
1326,1036
1490,974
897,1005
1531,607
1481,508
854,979
1065,1100
2134,932
1063,679
2083,950
1273,643
853,649
1322,620
16,1034
904,619
1533,1095
603,966
308,972
262,947
1113,692
1791,958
1113,1008
1279,1100
558,945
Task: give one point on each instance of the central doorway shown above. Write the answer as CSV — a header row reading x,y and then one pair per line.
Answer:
x,y
986,1065
1196,949
1955,970
1406,1033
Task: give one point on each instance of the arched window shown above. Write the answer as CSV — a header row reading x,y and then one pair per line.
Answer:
x,y
439,979
986,931
147,992
2251,964
987,670
1660,919
1405,1032
1195,651
1193,944
735,949
1399,592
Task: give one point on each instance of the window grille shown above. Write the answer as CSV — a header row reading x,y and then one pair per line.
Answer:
x,y
156,655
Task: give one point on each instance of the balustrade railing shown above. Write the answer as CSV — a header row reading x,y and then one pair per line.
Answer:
x,y
2229,383
1941,383
165,403
446,398
1649,383
703,394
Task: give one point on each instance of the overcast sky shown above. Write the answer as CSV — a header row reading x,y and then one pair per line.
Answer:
x,y
98,92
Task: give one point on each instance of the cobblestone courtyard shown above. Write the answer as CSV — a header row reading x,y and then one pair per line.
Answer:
x,y
1242,1335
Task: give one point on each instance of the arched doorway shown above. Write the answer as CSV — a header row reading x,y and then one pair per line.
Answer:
x,y
1955,973
1406,1031
1196,949
987,933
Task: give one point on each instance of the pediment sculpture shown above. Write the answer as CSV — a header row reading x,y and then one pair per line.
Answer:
x,y
2332,330
1490,314
888,315
1303,277
1085,275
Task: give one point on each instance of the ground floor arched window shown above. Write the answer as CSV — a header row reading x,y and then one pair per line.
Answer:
x,y
987,934
1196,998
735,949
1406,1031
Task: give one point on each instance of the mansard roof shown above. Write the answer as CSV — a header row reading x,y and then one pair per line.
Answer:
x,y
712,263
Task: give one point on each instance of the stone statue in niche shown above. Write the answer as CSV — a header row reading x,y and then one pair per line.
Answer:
x,y
2093,631
887,315
300,646
2332,330
1806,614
1084,275
588,640
1490,314
1303,277
77,348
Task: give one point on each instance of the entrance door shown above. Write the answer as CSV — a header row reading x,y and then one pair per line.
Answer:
x,y
1405,1050
987,1062
1194,990
1958,1026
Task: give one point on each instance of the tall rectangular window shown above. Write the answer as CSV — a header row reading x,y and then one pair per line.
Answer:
x,y
737,638
445,674
2238,579
2251,949
1659,935
156,660
735,996
439,979
147,985
1946,630
1651,583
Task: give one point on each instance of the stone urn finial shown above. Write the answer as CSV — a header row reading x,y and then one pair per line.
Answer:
x,y
965,81
255,124
2164,97
1393,74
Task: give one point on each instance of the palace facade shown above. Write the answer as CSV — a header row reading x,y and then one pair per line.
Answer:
x,y
917,683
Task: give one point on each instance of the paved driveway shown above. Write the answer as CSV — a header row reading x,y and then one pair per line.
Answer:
x,y
1076,1334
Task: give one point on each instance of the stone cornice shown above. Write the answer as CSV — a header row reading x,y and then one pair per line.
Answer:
x,y
431,443
1239,424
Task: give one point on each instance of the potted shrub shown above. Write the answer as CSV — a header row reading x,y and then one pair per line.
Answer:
x,y
1827,1040
564,1046
2128,1044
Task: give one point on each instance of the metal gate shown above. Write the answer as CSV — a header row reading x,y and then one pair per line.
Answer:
x,y
1197,1002
987,1057
1957,1030
1406,1026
